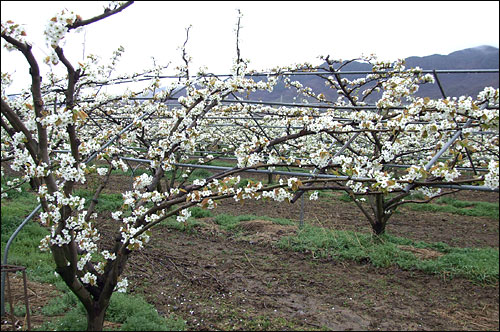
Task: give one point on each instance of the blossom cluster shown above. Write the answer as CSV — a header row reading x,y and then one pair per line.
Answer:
x,y
56,29
14,30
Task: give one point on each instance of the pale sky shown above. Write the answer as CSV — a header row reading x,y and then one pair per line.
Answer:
x,y
273,32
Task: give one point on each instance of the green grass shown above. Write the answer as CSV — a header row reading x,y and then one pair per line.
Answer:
x,y
24,249
59,305
191,223
476,264
463,208
446,204
222,163
107,202
225,221
229,222
197,212
130,172
132,312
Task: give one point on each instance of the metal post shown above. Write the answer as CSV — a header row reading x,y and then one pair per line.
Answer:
x,y
6,251
26,299
301,223
12,268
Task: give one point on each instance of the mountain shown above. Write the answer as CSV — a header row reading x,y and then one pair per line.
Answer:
x,y
453,84
482,57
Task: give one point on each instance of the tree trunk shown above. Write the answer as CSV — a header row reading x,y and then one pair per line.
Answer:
x,y
95,319
379,227
380,216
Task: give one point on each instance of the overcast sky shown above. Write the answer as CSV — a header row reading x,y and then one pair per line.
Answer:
x,y
272,33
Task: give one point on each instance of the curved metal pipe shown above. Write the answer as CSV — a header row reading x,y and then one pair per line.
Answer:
x,y
6,251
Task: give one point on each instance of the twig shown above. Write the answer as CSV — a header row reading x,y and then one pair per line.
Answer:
x,y
178,270
33,292
216,280
249,261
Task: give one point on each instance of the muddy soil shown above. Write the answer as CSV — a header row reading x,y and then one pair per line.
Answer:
x,y
217,282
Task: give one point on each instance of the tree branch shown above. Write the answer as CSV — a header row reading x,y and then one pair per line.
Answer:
x,y
107,13
19,126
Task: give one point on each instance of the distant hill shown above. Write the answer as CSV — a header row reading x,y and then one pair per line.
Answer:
x,y
482,57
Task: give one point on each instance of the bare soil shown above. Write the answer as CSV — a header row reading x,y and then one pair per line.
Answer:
x,y
39,295
217,281
221,283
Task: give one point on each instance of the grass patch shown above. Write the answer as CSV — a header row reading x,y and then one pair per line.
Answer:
x,y
222,163
107,202
133,313
24,249
192,222
445,204
345,198
131,171
464,208
229,222
197,212
188,226
476,264
138,315
59,305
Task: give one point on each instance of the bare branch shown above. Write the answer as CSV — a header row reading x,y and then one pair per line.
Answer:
x,y
394,205
107,13
184,54
238,55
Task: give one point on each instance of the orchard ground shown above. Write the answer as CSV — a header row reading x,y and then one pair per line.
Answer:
x,y
226,278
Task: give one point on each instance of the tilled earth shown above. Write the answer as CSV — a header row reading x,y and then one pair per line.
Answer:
x,y
217,281
221,283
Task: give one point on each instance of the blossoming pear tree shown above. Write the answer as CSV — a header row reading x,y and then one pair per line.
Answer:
x,y
74,113
401,149
341,145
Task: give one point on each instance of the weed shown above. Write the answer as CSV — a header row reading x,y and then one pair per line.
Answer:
x,y
476,264
198,212
464,208
60,305
106,202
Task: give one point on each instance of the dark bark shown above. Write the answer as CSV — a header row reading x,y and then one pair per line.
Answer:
x,y
381,216
95,318
379,227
